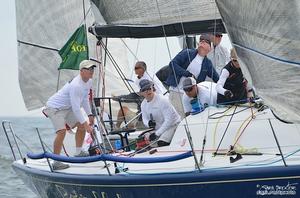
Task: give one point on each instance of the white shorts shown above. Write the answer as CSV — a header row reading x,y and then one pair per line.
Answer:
x,y
60,118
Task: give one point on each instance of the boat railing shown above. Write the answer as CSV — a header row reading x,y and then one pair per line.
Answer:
x,y
12,140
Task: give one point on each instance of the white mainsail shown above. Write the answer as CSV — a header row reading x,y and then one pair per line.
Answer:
x,y
156,12
266,36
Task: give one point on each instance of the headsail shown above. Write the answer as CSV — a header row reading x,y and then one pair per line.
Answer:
x,y
266,36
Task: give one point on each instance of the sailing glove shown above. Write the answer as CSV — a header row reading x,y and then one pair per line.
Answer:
x,y
153,137
152,124
228,94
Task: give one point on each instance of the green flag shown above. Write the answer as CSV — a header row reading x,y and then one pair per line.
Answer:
x,y
75,50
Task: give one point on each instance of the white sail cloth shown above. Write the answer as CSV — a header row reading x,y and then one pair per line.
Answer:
x,y
266,37
50,24
155,12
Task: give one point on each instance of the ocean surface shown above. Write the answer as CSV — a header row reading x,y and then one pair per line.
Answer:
x,y
25,128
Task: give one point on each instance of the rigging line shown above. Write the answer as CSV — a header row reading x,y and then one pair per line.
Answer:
x,y
136,58
278,145
240,135
132,53
84,14
216,126
119,71
210,98
123,77
103,68
136,52
165,36
182,28
215,153
220,112
237,136
37,45
278,118
229,114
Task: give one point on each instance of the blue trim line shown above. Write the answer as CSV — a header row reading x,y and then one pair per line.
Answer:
x,y
272,57
106,157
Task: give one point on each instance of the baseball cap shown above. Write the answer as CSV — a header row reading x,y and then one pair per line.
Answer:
x,y
188,83
145,84
86,64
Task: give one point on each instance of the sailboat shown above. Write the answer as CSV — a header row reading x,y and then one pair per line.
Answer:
x,y
237,151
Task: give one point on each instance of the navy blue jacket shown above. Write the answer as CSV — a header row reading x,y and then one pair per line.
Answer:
x,y
182,61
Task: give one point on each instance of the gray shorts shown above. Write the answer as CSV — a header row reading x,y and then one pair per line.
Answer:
x,y
61,117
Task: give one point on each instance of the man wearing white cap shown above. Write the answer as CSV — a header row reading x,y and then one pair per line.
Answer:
x,y
197,96
64,107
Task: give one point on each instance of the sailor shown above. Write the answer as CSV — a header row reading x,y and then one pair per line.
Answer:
x,y
190,63
232,87
64,107
158,113
218,55
141,72
198,96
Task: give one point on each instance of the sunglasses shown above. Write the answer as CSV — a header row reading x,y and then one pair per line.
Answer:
x,y
219,35
205,41
146,89
137,68
188,89
90,68
234,60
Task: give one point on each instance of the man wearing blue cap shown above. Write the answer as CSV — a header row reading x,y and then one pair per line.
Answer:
x,y
158,113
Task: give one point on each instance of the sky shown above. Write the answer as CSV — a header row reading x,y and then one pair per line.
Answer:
x,y
11,102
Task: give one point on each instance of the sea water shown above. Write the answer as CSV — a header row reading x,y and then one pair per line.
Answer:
x,y
11,186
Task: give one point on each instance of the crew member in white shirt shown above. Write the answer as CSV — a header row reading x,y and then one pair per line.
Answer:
x,y
202,95
141,72
218,55
158,113
64,107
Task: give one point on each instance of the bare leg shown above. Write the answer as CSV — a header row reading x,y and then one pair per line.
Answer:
x,y
121,116
80,134
58,142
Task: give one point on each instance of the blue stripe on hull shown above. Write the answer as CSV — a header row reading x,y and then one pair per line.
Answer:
x,y
249,182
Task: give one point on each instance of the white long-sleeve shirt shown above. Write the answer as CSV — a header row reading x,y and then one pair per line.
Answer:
x,y
74,94
221,82
160,89
162,112
219,57
206,94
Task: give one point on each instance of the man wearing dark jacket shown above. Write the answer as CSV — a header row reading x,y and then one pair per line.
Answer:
x,y
190,63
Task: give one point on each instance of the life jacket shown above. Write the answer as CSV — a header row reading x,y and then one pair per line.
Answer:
x,y
236,83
